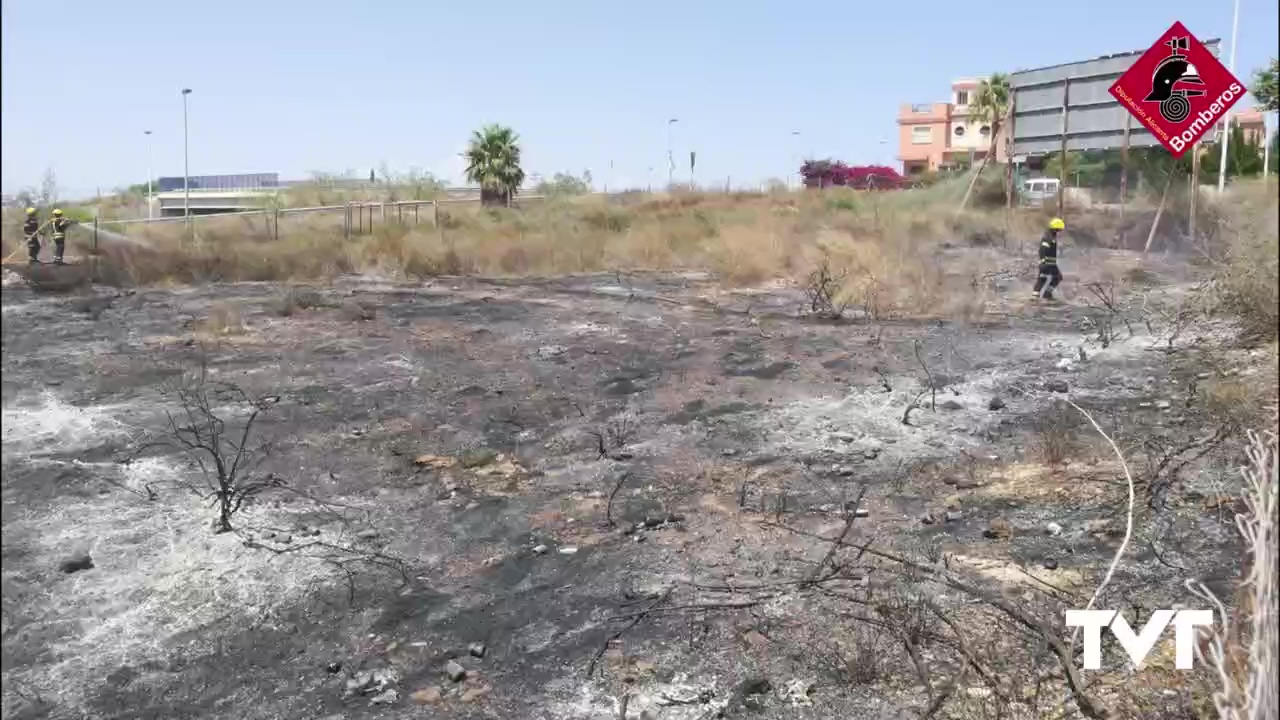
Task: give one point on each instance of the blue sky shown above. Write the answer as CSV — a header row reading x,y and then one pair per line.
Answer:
x,y
291,87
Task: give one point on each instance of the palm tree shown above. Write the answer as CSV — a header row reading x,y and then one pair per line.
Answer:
x,y
493,161
990,106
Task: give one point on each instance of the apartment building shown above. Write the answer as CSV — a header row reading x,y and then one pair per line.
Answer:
x,y
1253,123
936,136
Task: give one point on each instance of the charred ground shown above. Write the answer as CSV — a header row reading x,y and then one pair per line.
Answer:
x,y
544,466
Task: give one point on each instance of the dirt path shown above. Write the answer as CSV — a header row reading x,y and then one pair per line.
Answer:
x,y
457,428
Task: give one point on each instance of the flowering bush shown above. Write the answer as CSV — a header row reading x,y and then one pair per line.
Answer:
x,y
825,173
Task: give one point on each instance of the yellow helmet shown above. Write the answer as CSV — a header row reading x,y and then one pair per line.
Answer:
x,y
31,211
1054,224
56,211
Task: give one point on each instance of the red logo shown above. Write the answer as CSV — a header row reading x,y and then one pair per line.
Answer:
x,y
1178,89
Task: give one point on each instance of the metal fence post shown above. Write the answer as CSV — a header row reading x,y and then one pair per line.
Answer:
x,y
95,235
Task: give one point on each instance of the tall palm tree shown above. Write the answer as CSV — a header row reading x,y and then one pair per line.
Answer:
x,y
990,106
493,161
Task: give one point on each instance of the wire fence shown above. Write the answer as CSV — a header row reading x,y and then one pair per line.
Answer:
x,y
355,218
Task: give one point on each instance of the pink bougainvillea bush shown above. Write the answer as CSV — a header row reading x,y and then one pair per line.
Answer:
x,y
826,173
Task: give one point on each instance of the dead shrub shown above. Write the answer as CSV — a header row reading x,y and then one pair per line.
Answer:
x,y
294,299
824,292
607,219
859,656
1055,432
223,319
1141,277
357,311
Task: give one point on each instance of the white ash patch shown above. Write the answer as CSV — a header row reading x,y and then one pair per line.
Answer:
x,y
48,425
12,279
591,328
160,573
614,290
872,417
679,699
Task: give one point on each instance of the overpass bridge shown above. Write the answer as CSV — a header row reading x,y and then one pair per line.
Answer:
x,y
210,200
205,201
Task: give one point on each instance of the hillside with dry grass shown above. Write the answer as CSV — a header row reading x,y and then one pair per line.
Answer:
x,y
678,456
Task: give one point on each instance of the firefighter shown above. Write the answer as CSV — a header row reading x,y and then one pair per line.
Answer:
x,y
1049,275
31,229
60,225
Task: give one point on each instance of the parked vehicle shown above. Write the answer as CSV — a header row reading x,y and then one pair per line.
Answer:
x,y
1038,191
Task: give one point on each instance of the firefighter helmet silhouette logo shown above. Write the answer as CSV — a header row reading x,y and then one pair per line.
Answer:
x,y
1175,80
1178,90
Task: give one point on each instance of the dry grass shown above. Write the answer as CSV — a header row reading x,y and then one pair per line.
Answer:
x,y
1249,278
887,242
885,245
1243,648
1055,434
223,320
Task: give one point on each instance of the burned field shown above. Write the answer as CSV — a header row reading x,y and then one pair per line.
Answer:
x,y
597,497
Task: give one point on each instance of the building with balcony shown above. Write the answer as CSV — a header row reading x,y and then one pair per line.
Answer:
x,y
1253,122
942,135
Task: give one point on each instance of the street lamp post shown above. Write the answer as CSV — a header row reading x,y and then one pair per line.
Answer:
x,y
1226,119
186,160
150,198
795,157
1266,149
671,160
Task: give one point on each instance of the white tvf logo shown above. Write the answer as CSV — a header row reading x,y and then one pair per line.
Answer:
x,y
1138,645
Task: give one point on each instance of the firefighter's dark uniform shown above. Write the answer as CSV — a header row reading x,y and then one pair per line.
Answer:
x,y
31,229
1049,272
60,225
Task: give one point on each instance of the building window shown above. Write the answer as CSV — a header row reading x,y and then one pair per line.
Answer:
x,y
922,135
985,130
962,97
959,131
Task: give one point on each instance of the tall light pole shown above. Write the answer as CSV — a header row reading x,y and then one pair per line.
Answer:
x,y
671,160
795,157
150,199
1266,148
186,160
1226,119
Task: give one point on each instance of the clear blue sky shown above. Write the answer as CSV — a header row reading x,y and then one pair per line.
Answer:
x,y
289,86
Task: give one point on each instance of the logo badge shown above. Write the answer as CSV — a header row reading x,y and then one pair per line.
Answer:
x,y
1178,90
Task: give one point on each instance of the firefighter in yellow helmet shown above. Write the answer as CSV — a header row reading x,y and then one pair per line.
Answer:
x,y
31,231
1049,275
60,225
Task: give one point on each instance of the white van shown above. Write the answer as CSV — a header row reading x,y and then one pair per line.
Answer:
x,y
1037,191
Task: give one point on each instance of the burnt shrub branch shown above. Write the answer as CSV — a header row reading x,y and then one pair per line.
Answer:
x,y
226,453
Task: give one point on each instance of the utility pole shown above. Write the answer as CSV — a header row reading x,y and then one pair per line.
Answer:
x,y
1226,119
150,195
186,160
